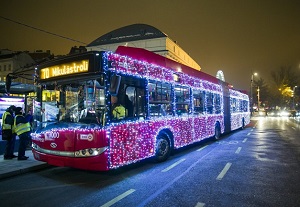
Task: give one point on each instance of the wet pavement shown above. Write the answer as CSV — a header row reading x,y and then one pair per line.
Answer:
x,y
13,167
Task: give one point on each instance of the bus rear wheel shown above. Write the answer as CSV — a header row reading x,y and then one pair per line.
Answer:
x,y
163,148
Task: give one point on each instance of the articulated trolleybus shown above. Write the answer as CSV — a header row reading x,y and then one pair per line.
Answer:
x,y
163,105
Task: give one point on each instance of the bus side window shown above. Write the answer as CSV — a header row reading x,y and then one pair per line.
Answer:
x,y
160,96
182,98
128,102
198,98
209,102
217,103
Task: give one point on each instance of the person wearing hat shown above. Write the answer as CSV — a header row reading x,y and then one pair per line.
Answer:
x,y
7,132
22,129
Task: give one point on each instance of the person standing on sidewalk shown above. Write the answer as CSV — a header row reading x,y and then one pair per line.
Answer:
x,y
7,132
22,129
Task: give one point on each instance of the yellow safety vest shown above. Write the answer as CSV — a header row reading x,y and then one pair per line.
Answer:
x,y
119,112
21,127
4,125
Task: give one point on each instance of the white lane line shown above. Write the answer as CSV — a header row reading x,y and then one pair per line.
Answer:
x,y
201,148
248,133
224,171
245,140
238,150
200,204
173,165
118,198
294,128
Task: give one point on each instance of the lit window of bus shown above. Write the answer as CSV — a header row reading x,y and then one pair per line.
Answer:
x,y
182,98
160,98
199,97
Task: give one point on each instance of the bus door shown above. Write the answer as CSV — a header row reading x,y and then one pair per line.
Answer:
x,y
199,114
183,111
226,102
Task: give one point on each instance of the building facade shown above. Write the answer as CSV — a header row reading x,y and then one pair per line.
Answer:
x,y
146,37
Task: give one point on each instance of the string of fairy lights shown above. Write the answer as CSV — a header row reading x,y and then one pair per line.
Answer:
x,y
133,141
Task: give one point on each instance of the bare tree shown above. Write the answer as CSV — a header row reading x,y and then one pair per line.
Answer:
x,y
284,80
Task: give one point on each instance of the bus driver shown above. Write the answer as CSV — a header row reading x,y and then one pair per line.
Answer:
x,y
118,111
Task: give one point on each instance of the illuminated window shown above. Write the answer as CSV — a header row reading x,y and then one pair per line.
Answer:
x,y
233,105
159,98
217,103
182,97
198,97
209,102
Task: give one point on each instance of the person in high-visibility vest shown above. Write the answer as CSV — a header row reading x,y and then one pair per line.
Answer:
x,y
7,132
22,129
118,111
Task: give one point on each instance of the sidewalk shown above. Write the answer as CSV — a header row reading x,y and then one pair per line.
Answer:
x,y
13,167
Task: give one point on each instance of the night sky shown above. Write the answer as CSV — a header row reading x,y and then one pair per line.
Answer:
x,y
235,36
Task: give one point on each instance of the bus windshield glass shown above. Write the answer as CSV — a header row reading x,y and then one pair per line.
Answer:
x,y
80,102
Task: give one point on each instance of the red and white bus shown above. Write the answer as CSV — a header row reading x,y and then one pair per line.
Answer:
x,y
168,106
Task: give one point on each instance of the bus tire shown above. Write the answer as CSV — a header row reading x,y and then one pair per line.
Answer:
x,y
217,131
163,148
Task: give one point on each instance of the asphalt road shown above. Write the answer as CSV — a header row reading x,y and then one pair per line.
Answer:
x,y
257,166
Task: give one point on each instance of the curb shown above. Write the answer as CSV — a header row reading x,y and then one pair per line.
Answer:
x,y
24,170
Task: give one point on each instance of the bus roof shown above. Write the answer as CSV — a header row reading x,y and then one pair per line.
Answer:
x,y
153,58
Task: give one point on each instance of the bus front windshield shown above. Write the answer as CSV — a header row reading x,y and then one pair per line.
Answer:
x,y
80,102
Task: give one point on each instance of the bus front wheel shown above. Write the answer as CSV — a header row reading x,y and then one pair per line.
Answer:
x,y
163,148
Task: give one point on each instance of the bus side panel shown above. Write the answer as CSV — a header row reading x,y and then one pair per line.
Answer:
x,y
131,141
200,128
185,132
211,123
237,120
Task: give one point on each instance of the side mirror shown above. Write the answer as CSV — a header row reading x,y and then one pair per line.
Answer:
x,y
115,81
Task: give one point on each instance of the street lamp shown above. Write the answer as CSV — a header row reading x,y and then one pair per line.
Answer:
x,y
294,97
258,104
251,92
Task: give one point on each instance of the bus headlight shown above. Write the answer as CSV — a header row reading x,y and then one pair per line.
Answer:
x,y
89,152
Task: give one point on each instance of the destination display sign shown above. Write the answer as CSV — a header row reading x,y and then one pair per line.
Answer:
x,y
64,69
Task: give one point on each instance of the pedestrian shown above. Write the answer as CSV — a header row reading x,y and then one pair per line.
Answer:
x,y
22,129
7,132
29,118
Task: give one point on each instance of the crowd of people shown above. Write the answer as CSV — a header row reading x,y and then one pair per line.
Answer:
x,y
16,123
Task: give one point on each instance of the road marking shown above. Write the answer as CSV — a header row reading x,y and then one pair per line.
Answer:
x,y
171,182
248,133
238,150
224,171
118,198
201,148
200,204
245,140
173,165
294,128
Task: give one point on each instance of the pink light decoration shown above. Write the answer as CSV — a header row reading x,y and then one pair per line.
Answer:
x,y
134,141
